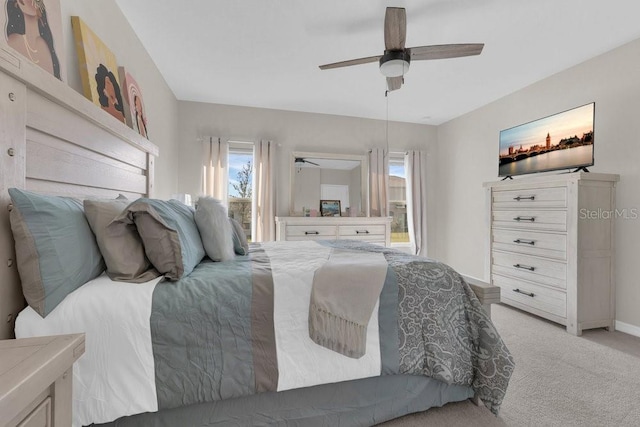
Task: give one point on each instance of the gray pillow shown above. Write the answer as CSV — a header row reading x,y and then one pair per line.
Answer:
x,y
56,252
169,234
213,224
240,244
121,246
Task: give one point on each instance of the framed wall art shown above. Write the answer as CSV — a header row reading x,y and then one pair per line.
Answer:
x,y
134,112
98,70
34,29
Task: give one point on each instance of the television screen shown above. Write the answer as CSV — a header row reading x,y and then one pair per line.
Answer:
x,y
561,141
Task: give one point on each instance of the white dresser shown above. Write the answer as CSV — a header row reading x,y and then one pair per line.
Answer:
x,y
371,229
551,246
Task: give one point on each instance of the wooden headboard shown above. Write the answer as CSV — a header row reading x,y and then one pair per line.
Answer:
x,y
54,141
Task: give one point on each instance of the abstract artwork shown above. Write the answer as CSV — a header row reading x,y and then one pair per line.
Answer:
x,y
98,70
34,29
135,113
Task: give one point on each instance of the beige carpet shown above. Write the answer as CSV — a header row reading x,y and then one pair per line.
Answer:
x,y
559,380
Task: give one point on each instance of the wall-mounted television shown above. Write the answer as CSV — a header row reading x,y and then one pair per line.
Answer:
x,y
560,141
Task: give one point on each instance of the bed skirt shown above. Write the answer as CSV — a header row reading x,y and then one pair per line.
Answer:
x,y
363,402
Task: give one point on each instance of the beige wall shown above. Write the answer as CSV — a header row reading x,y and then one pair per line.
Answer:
x,y
307,189
294,131
105,18
468,152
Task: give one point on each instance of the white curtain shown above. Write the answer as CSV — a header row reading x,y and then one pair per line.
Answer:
x,y
378,182
264,197
215,179
416,168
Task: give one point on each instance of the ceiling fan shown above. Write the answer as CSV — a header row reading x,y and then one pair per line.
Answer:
x,y
394,63
299,161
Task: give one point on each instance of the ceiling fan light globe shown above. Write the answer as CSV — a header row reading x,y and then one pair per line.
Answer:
x,y
394,68
395,63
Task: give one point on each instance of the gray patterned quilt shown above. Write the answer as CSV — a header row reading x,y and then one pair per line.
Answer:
x,y
237,328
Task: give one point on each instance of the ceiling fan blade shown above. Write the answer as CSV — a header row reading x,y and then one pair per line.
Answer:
x,y
395,28
394,83
443,51
351,62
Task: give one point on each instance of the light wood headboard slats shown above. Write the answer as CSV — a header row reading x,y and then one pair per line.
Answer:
x,y
76,191
49,164
47,116
40,138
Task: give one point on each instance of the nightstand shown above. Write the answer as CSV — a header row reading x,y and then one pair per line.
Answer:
x,y
35,380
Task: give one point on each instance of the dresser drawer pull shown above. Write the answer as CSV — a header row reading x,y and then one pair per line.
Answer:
x,y
524,198
525,218
362,232
524,267
311,232
529,294
525,242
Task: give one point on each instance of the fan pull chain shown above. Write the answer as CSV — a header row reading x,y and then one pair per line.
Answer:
x,y
386,95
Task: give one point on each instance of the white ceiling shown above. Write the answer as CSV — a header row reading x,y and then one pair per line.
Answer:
x,y
266,53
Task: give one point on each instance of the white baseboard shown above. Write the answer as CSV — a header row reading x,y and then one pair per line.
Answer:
x,y
627,328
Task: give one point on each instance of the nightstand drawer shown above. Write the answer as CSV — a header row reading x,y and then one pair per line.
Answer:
x,y
39,417
531,219
534,269
532,295
531,243
550,197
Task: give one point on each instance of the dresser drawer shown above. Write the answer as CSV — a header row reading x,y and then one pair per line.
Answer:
x,y
531,243
361,231
531,219
550,197
539,297
311,231
535,269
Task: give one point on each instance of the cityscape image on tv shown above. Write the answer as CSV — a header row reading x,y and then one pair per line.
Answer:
x,y
562,141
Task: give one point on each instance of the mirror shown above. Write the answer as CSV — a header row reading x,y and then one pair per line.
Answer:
x,y
322,176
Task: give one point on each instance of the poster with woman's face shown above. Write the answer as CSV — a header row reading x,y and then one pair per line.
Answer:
x,y
136,114
98,70
34,29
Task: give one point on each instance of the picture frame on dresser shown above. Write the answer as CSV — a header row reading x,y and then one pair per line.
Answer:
x,y
330,208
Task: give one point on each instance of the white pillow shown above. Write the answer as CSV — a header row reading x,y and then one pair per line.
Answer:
x,y
215,229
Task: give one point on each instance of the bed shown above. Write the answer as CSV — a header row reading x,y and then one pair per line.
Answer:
x,y
55,141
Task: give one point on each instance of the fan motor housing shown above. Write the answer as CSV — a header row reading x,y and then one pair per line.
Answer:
x,y
402,55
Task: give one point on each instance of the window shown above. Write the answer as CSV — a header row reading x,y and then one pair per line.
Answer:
x,y
241,184
398,199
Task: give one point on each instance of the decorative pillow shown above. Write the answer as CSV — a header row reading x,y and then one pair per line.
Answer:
x,y
121,247
240,244
56,252
169,234
213,224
